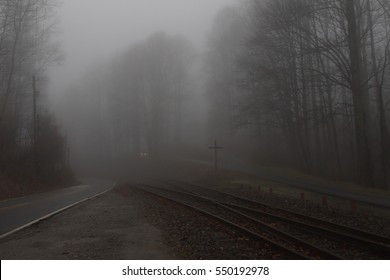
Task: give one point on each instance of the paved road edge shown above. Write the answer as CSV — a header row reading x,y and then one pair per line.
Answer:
x,y
54,213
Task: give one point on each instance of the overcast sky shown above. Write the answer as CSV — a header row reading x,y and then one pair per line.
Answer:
x,y
94,30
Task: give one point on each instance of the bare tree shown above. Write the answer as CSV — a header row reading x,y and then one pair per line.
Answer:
x,y
26,49
314,73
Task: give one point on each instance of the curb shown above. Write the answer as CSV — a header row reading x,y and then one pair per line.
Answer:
x,y
54,213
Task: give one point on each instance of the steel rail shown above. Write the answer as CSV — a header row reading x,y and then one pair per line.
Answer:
x,y
366,241
351,231
380,248
287,238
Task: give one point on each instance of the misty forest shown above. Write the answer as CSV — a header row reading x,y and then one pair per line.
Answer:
x,y
285,83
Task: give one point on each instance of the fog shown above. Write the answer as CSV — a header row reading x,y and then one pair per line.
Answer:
x,y
287,84
94,30
94,33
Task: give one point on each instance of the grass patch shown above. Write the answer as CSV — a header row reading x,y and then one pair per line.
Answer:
x,y
235,180
300,176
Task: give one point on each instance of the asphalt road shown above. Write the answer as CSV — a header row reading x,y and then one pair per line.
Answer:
x,y
20,212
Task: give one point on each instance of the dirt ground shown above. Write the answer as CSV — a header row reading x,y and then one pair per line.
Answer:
x,y
111,226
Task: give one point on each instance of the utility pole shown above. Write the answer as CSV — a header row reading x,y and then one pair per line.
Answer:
x,y
216,148
35,125
35,118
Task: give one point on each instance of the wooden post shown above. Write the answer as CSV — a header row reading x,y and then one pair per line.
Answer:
x,y
67,156
353,206
325,201
216,148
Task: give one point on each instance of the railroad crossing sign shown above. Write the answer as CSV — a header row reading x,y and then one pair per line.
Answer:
x,y
216,148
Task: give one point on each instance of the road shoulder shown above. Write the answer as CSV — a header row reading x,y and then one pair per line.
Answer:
x,y
111,226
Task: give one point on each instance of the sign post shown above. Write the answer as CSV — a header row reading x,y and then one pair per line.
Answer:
x,y
216,148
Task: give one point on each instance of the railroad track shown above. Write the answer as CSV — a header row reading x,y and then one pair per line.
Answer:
x,y
285,245
346,242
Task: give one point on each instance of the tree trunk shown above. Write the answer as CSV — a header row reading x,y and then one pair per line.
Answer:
x,y
360,116
383,130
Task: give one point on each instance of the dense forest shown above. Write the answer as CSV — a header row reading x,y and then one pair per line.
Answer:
x,y
296,83
311,80
32,148
136,105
